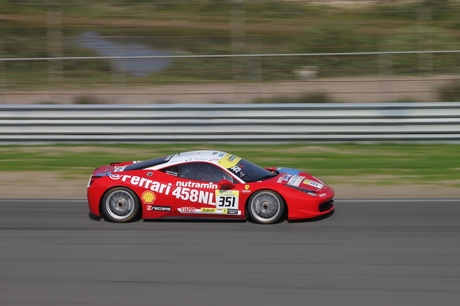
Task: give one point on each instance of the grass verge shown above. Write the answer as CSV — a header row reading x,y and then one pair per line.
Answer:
x,y
382,164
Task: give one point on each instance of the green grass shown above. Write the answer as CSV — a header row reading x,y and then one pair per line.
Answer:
x,y
385,164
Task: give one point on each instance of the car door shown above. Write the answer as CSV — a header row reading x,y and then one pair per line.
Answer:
x,y
198,191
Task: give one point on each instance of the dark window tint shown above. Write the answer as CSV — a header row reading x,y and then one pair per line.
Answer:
x,y
173,170
199,171
250,172
148,163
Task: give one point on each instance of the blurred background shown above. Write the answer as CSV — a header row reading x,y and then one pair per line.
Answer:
x,y
209,73
235,51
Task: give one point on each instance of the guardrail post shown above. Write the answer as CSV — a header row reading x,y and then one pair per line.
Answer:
x,y
3,85
385,68
237,24
54,36
425,60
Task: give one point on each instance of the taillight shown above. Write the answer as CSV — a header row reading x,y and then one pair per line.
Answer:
x,y
92,179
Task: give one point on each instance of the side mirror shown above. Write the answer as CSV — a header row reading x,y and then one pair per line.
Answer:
x,y
225,185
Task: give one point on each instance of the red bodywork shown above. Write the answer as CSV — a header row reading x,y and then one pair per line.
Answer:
x,y
165,196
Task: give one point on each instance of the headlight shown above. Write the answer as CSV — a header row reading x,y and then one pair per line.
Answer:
x,y
307,191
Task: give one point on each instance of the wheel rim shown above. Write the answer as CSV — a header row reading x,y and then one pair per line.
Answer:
x,y
120,205
265,207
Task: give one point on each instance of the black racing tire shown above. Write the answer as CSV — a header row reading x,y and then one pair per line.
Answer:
x,y
120,205
266,207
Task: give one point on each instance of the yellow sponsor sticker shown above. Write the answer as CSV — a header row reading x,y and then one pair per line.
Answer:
x,y
313,183
207,210
229,160
224,193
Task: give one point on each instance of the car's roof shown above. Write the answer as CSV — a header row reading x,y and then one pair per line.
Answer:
x,y
223,159
211,156
220,158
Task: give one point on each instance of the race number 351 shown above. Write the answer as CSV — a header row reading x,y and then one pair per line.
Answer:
x,y
226,198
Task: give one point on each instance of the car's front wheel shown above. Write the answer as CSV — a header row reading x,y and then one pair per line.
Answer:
x,y
120,204
266,207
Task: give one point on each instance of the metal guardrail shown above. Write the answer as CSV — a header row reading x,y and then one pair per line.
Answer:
x,y
240,123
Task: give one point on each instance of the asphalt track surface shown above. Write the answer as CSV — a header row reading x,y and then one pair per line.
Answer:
x,y
369,252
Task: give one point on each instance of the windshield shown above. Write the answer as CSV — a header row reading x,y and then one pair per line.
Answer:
x,y
148,163
250,172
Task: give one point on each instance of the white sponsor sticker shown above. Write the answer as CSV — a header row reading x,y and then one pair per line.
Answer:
x,y
296,180
313,183
119,168
209,210
227,198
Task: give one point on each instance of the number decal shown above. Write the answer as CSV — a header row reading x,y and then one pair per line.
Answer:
x,y
227,199
224,201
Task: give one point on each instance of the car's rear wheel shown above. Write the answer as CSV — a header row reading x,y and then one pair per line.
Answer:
x,y
120,204
266,207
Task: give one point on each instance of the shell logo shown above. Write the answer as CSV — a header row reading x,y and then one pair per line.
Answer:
x,y
148,197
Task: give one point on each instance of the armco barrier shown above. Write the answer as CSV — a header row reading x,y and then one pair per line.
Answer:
x,y
236,123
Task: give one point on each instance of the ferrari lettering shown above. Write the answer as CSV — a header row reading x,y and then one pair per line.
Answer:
x,y
147,183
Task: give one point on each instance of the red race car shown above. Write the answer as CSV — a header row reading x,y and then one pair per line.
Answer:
x,y
205,184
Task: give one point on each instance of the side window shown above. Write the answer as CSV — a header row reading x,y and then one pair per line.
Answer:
x,y
203,172
173,170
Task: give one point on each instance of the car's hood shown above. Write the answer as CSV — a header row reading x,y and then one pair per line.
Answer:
x,y
299,179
